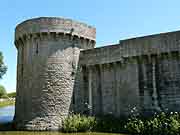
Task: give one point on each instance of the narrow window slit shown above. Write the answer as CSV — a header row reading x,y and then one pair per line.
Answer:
x,y
37,48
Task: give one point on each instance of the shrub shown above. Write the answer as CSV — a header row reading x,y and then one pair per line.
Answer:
x,y
78,123
81,123
166,124
108,123
135,126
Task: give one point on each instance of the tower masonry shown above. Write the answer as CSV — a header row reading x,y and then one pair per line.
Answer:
x,y
48,54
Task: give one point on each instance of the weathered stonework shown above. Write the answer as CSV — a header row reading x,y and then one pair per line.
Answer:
x,y
140,73
60,71
48,54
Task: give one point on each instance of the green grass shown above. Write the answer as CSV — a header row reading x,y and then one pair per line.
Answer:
x,y
6,103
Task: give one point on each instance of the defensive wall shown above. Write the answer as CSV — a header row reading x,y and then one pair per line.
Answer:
x,y
59,71
141,73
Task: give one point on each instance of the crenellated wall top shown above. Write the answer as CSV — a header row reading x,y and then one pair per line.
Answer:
x,y
158,44
55,25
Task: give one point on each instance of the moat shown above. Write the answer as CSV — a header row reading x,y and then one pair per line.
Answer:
x,y
7,114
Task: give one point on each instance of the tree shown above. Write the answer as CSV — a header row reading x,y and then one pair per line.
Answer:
x,y
3,68
11,95
2,91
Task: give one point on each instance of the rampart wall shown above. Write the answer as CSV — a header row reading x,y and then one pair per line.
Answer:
x,y
59,71
140,73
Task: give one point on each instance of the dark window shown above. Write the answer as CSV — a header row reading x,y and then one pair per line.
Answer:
x,y
37,48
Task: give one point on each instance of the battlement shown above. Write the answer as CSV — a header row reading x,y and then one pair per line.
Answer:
x,y
55,25
156,44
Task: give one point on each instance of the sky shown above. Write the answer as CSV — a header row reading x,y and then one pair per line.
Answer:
x,y
114,20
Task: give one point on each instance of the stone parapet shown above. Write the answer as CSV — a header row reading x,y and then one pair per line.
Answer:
x,y
55,25
141,46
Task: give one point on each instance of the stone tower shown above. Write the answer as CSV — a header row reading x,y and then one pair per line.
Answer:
x,y
48,53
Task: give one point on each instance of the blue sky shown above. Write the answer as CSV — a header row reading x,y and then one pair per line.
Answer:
x,y
113,19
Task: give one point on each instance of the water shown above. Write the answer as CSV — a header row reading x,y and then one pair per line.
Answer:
x,y
7,113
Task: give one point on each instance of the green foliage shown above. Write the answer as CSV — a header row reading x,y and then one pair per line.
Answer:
x,y
78,123
6,103
108,123
166,124
2,91
4,96
11,95
3,68
159,124
81,123
135,126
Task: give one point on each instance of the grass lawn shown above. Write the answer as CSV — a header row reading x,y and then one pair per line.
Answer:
x,y
6,103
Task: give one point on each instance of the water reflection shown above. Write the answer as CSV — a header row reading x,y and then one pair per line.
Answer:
x,y
7,113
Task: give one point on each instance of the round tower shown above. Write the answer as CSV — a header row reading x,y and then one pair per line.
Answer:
x,y
48,53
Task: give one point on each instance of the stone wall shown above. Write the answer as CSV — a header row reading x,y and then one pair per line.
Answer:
x,y
48,55
139,74
59,71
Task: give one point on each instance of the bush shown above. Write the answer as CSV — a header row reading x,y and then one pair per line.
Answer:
x,y
166,124
135,126
159,124
108,123
81,123
78,123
